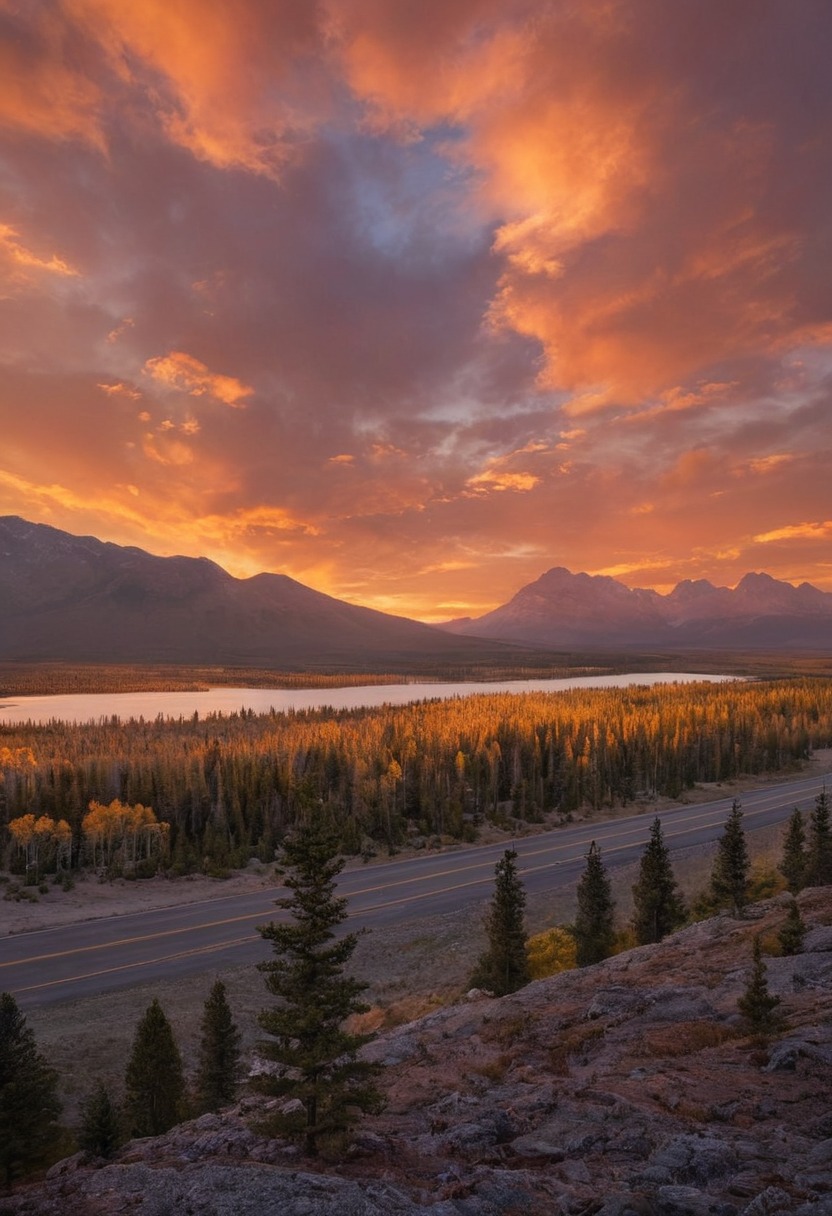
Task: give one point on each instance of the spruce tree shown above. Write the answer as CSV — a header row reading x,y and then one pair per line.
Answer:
x,y
594,932
504,967
792,931
658,907
154,1082
819,862
793,863
100,1132
219,1053
729,877
317,1058
29,1104
757,1005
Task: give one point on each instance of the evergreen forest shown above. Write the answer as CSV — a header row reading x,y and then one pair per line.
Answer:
x,y
210,793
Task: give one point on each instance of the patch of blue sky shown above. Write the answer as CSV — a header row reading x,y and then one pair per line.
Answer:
x,y
411,199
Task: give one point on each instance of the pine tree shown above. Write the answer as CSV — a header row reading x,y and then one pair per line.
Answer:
x,y
219,1053
658,907
730,874
757,1005
317,1058
29,1104
154,1083
594,932
504,967
819,862
794,860
792,931
100,1132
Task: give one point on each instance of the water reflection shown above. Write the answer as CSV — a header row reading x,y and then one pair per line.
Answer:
x,y
90,707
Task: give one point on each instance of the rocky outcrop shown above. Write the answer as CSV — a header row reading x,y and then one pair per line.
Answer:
x,y
626,1089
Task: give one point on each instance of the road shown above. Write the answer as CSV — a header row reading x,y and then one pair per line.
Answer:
x,y
81,960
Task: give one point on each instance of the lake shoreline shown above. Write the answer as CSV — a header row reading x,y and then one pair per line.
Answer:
x,y
83,708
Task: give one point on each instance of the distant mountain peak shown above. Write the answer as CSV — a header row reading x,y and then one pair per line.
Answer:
x,y
564,610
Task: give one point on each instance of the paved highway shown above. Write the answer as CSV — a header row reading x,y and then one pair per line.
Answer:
x,y
79,960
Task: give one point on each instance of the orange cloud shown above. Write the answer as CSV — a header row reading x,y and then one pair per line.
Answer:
x,y
804,531
42,91
170,452
236,88
765,464
43,499
176,527
22,262
180,371
120,390
494,479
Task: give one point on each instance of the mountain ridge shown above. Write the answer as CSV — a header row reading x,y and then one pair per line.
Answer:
x,y
78,598
562,609
64,597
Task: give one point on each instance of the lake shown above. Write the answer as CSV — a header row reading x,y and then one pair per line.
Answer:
x,y
91,707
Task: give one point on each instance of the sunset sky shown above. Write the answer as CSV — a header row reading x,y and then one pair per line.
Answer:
x,y
415,299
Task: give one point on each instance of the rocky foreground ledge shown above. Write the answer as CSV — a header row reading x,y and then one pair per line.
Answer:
x,y
625,1089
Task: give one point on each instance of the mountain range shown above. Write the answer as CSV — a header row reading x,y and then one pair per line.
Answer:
x,y
76,598
563,610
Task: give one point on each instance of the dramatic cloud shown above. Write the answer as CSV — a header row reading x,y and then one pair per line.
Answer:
x,y
180,371
413,301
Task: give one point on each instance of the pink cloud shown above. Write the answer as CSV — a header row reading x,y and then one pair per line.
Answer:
x,y
487,286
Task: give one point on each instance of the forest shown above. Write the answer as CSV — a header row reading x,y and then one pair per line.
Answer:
x,y
207,794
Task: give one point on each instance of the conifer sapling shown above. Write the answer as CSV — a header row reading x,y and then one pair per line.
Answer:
x,y
594,930
101,1128
29,1104
819,861
154,1082
757,1005
504,966
317,1057
792,931
658,907
219,1053
730,874
794,860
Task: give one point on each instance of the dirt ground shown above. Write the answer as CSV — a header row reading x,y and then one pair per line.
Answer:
x,y
409,968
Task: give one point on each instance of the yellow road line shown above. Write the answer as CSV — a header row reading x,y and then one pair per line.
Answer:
x,y
169,958
553,847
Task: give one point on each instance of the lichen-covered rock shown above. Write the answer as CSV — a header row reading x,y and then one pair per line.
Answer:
x,y
773,1201
691,1159
650,1106
688,1201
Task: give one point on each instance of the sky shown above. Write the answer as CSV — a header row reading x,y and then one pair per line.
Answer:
x,y
413,300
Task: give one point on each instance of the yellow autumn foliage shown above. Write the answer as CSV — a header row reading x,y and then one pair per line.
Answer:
x,y
550,952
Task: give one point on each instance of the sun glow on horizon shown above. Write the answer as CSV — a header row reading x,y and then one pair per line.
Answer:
x,y
414,311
